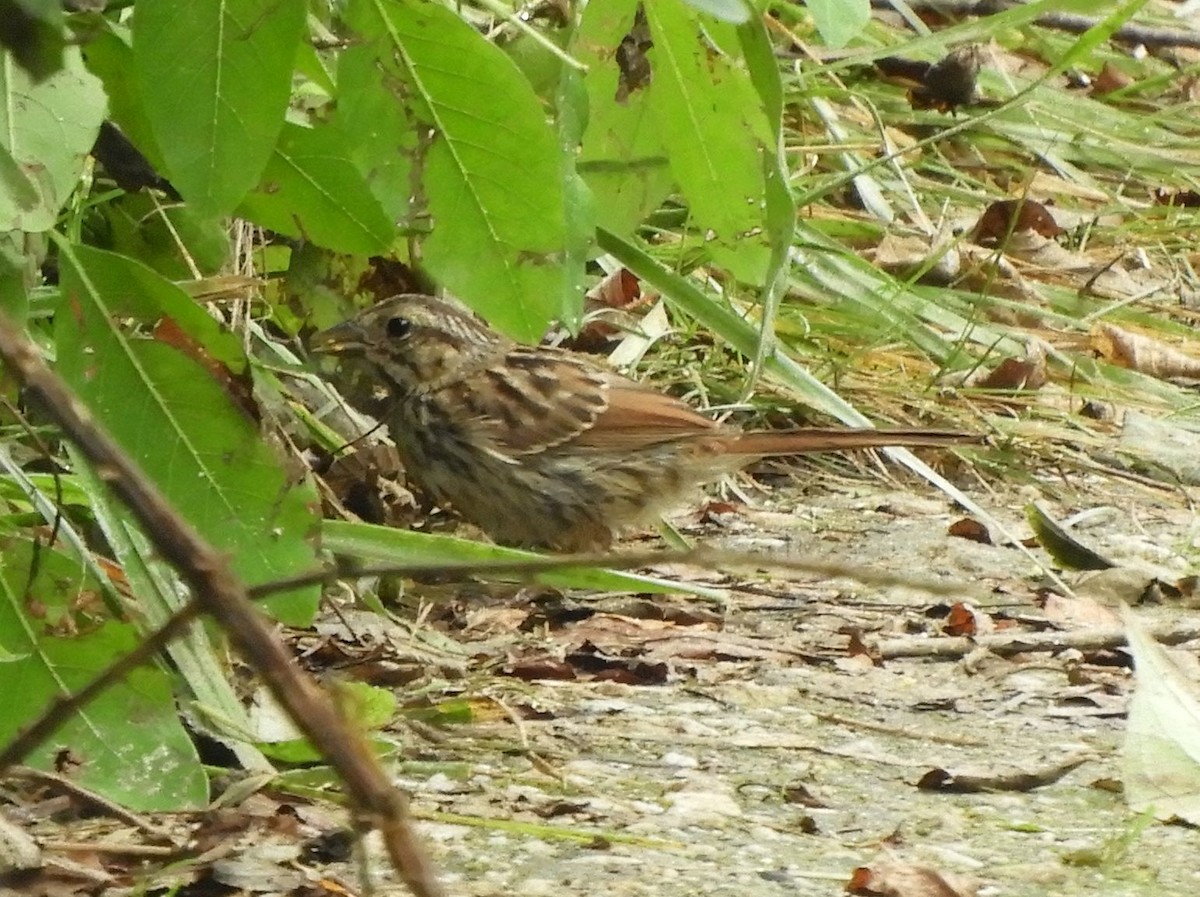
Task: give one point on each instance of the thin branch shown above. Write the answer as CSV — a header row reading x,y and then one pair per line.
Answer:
x,y
703,556
222,594
1008,645
1129,33
87,796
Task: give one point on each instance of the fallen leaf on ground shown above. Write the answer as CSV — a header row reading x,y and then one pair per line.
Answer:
x,y
1144,354
977,781
1160,762
892,879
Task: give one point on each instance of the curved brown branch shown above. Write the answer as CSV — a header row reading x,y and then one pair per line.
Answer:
x,y
1129,33
1005,645
223,595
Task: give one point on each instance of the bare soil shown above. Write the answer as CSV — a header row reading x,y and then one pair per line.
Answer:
x,y
773,759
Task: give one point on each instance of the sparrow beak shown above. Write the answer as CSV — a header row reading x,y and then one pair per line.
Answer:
x,y
346,338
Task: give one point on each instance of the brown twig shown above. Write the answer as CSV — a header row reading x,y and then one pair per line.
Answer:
x,y
65,707
223,595
946,781
704,557
1130,33
87,796
1007,645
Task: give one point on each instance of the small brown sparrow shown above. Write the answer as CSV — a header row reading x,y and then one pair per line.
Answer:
x,y
539,446
943,85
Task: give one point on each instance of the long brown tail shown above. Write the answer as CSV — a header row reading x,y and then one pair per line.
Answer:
x,y
835,439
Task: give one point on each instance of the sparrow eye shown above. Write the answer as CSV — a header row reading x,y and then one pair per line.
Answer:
x,y
398,327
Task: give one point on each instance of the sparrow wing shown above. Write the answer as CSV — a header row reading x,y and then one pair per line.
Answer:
x,y
533,401
638,416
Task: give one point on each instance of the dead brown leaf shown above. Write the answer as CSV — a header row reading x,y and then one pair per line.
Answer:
x,y
965,619
978,781
1143,353
895,879
635,69
1110,79
1077,612
966,528
1006,217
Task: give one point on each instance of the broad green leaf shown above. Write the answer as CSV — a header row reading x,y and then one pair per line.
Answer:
x,y
488,164
139,292
316,66
18,271
622,157
15,184
199,656
110,58
129,743
580,201
716,132
1160,760
763,68
46,132
364,706
215,79
385,139
539,64
173,417
384,545
839,21
312,189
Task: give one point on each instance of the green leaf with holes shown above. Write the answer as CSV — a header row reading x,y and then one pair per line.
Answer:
x,y
47,129
623,157
716,133
55,637
488,162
